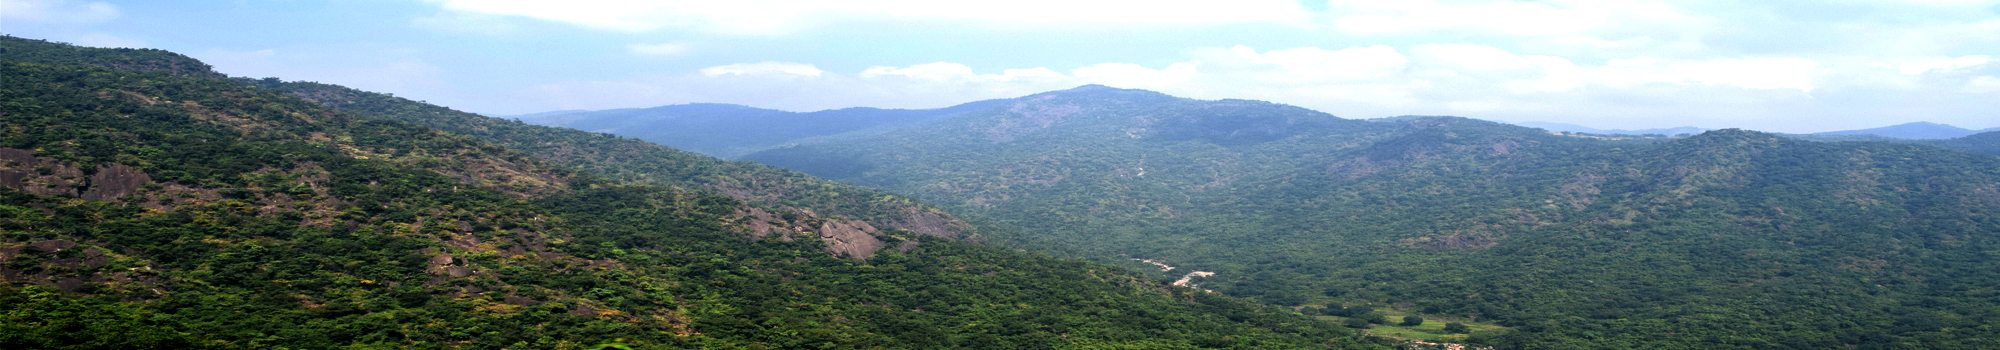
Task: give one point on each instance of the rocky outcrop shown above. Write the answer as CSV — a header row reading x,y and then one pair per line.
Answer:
x,y
22,170
850,238
115,180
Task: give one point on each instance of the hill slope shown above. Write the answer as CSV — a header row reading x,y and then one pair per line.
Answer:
x,y
1727,239
142,209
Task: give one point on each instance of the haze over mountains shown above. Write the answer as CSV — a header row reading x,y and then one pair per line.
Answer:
x,y
174,207
1728,238
731,131
147,202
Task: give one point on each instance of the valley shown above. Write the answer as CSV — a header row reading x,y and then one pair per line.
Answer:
x,y
1724,234
138,182
150,203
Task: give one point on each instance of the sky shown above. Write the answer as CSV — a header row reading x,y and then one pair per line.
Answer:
x,y
1772,65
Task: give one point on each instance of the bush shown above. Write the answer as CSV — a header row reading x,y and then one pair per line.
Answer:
x,y
1412,321
1456,328
1357,323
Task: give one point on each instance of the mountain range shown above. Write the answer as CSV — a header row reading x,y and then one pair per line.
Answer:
x,y
1723,239
732,131
1562,127
148,202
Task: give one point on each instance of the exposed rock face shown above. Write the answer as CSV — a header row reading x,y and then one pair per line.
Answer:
x,y
759,222
115,180
22,170
850,238
930,223
519,300
583,310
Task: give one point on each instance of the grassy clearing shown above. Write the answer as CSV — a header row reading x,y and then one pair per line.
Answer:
x,y
1432,330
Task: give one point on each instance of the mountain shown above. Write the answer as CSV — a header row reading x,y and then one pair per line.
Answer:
x,y
532,116
146,205
1562,127
1985,142
1917,130
1729,239
725,130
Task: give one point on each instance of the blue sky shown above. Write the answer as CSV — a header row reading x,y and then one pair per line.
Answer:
x,y
1789,66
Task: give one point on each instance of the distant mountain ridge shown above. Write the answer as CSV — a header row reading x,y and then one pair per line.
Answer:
x,y
1564,127
1915,131
728,130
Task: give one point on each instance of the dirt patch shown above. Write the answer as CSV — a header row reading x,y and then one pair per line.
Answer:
x,y
115,180
1459,240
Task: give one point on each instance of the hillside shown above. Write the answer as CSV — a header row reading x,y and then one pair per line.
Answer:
x,y
1729,239
152,208
637,161
1985,142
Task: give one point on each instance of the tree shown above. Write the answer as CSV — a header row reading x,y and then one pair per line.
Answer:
x,y
1376,318
1357,322
1412,321
1456,328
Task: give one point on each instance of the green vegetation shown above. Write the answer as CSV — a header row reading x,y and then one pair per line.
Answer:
x,y
636,161
1729,239
150,209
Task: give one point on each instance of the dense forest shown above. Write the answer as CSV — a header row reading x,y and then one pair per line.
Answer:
x,y
150,203
1728,239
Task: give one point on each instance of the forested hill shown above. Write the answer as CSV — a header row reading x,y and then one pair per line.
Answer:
x,y
1985,142
727,131
638,161
1729,239
160,209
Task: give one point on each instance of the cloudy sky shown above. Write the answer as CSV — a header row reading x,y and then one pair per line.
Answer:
x,y
1776,65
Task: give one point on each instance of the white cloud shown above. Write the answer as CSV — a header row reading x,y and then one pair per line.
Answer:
x,y
1474,57
661,49
57,11
1930,64
1545,18
764,68
1752,73
1983,84
1368,81
1315,65
469,23
768,17
1136,76
946,71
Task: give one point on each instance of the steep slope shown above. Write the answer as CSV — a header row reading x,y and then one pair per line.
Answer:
x,y
1727,239
637,161
727,131
147,210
